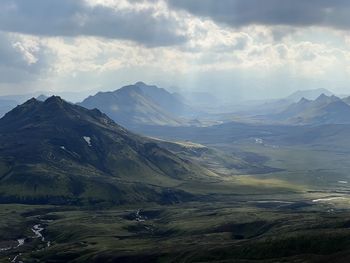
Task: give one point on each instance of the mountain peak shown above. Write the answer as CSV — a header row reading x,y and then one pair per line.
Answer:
x,y
323,95
42,97
55,103
23,109
150,88
140,84
323,98
303,101
28,104
54,99
309,94
128,89
31,101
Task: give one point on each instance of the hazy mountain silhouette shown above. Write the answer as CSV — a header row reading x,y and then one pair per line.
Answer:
x,y
323,110
140,104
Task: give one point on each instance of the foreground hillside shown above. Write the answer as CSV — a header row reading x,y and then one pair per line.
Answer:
x,y
55,152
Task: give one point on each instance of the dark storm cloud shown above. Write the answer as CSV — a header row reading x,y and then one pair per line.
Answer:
x,y
75,17
299,13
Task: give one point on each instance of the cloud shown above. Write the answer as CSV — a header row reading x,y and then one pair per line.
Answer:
x,y
21,59
242,46
296,13
145,25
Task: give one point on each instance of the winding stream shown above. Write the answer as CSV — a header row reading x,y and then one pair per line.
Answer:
x,y
37,230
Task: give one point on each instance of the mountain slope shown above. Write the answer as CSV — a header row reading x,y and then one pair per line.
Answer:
x,y
139,104
170,102
347,100
55,152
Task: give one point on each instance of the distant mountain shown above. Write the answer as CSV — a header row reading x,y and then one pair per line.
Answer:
x,y
9,102
140,104
21,98
42,97
308,94
6,105
278,105
324,110
59,153
170,102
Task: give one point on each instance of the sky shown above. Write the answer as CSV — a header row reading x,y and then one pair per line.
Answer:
x,y
234,49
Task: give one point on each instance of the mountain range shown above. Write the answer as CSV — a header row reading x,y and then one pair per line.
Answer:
x,y
56,152
139,105
323,110
277,105
311,94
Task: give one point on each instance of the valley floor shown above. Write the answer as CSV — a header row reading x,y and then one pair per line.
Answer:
x,y
309,227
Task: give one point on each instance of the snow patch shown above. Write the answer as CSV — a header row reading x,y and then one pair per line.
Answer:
x,y
88,140
259,140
